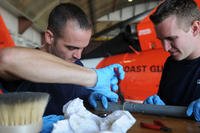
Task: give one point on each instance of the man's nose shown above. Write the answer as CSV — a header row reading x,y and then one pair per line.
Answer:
x,y
77,54
167,45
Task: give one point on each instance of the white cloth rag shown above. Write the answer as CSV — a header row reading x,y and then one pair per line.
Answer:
x,y
79,120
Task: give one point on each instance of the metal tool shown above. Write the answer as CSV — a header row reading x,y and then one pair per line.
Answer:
x,y
121,97
175,111
157,125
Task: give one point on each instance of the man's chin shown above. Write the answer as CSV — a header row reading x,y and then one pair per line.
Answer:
x,y
72,61
178,58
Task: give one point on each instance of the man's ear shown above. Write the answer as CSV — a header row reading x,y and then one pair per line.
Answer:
x,y
49,37
196,28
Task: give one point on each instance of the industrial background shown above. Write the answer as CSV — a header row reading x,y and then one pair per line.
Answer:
x,y
27,19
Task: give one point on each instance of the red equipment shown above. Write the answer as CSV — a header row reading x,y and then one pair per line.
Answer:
x,y
5,38
143,69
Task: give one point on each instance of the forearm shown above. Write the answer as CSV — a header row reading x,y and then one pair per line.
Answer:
x,y
38,66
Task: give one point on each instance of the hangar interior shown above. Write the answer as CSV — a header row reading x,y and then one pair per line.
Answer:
x,y
27,19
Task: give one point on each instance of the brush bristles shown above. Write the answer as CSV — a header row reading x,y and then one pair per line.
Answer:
x,y
22,108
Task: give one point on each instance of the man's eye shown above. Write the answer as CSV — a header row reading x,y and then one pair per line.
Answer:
x,y
171,39
70,48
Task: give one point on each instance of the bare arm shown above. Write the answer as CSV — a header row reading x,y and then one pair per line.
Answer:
x,y
37,66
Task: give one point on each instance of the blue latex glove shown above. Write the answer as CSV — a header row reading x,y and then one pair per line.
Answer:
x,y
104,96
107,81
107,77
194,108
155,99
48,122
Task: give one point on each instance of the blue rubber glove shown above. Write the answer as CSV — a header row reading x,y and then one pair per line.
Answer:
x,y
194,108
48,122
104,96
155,99
107,77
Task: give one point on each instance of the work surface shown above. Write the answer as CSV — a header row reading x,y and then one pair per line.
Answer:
x,y
178,125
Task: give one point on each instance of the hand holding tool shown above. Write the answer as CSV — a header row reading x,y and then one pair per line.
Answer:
x,y
103,96
106,77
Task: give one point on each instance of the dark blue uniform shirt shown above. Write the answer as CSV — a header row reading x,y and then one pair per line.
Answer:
x,y
180,82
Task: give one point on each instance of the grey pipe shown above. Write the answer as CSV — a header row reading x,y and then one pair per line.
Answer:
x,y
174,111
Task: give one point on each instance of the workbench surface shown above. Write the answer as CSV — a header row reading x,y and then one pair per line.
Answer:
x,y
178,125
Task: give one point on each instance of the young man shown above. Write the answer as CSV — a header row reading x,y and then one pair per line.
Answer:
x,y
177,23
68,33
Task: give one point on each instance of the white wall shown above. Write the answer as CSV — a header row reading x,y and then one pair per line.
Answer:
x,y
30,38
128,12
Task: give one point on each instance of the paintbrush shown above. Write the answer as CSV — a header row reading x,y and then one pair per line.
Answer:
x,y
21,112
